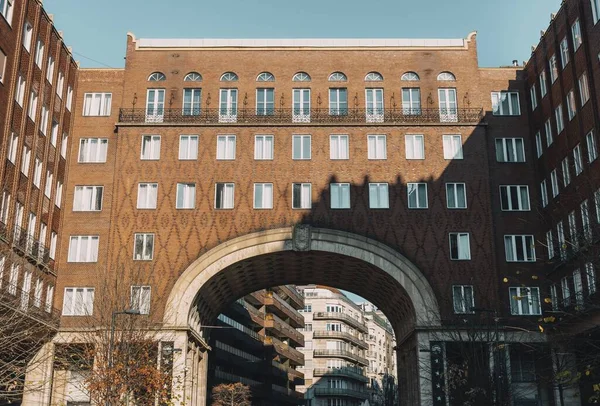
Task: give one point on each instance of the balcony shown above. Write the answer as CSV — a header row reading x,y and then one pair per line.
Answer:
x,y
342,335
291,293
341,354
280,328
296,357
341,317
353,373
341,392
293,374
26,245
255,315
284,309
288,392
17,300
289,116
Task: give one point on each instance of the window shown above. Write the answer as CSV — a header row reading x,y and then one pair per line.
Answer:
x,y
193,77
265,102
462,297
415,148
54,133
554,183
50,70
338,146
13,280
88,198
558,113
39,53
226,147
263,195
192,99
4,209
564,52
550,244
63,145
417,195
590,273
577,159
25,160
338,101
571,107
519,248
597,203
140,299
12,148
69,98
448,105
37,172
27,33
20,90
49,297
566,171
301,105
378,196
459,246
514,198
301,147
452,147
373,77
97,104
143,247
585,220
48,188
549,136
446,76
3,59
566,291
44,120
301,196
573,229
522,369
337,77
576,33
58,197
147,195
186,196
78,302
584,88
539,149
544,193
6,9
188,147
60,84
301,77
595,10
591,146
456,196
533,97
83,248
374,105
411,101
307,309
410,77
155,105
340,195
506,104
157,77
524,301
263,147
543,86
553,69
53,241
224,195
150,147
93,150
376,145
32,106
560,236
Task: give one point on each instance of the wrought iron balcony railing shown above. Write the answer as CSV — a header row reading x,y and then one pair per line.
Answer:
x,y
341,354
342,317
354,373
26,244
341,334
216,116
341,392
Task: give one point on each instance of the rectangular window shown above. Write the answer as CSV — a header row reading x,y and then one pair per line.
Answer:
x,y
4,210
560,236
584,88
140,299
143,246
25,160
566,171
533,97
3,59
97,104
585,220
39,53
543,85
576,33
519,248
263,147
590,273
155,105
150,147
13,280
597,203
78,302
456,196
462,298
226,147
550,244
37,293
186,196
544,193
54,133
524,301
53,241
510,150
224,195
338,147
88,198
49,297
338,101
514,198
595,10
573,234
564,52
415,148
554,297
578,161
376,145
188,147
69,98
459,246
411,101
417,195
263,195
590,140
265,102
32,106
506,104
301,196
20,90
553,69
301,105
191,102
27,34
50,70
374,105
538,144
12,147
147,195
60,84
452,146
6,9
83,248
378,196
301,147
63,145
549,135
558,114
37,172
93,150
571,107
340,195
44,120
566,291
554,183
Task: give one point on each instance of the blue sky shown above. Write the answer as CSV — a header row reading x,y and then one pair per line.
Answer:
x,y
97,29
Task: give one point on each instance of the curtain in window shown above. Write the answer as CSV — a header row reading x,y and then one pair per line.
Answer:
x,y
230,147
68,302
297,147
306,147
509,249
221,147
228,202
464,251
79,304
343,151
524,194
145,300
460,195
457,298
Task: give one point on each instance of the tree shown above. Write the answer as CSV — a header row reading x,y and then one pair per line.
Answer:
x,y
390,390
232,394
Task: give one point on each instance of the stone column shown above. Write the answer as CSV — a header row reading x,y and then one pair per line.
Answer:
x,y
38,380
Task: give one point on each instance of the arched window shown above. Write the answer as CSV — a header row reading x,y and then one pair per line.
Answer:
x,y
446,76
410,77
192,77
229,77
338,77
265,77
301,77
157,77
373,77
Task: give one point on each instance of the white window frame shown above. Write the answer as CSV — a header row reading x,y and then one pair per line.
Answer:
x,y
539,146
266,201
452,144
576,35
543,84
228,195
554,183
526,243
592,147
564,52
379,197
544,193
39,53
25,160
377,146
463,307
573,233
414,146
20,90
49,298
97,104
497,107
13,147
584,88
141,297
54,133
58,196
264,151
50,69
522,293
548,131
303,155
566,170
560,237
509,191
553,68
550,244
187,191
342,190
190,153
63,145
32,106
585,220
226,147
147,246
595,11
560,122
415,187
72,308
92,150
591,279
75,243
146,199
69,102
27,35
465,255
571,106
3,58
44,119
577,159
510,145
533,97
7,11
90,192
53,242
150,145
452,190
305,198
37,172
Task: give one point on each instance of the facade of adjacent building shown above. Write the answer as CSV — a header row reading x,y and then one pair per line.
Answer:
x,y
256,345
335,350
37,83
381,341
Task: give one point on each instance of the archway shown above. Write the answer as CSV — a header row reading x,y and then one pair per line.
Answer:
x,y
303,255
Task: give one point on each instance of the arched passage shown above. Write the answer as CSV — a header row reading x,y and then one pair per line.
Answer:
x,y
303,255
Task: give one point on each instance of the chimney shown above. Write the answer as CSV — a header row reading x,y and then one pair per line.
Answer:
x,y
515,62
